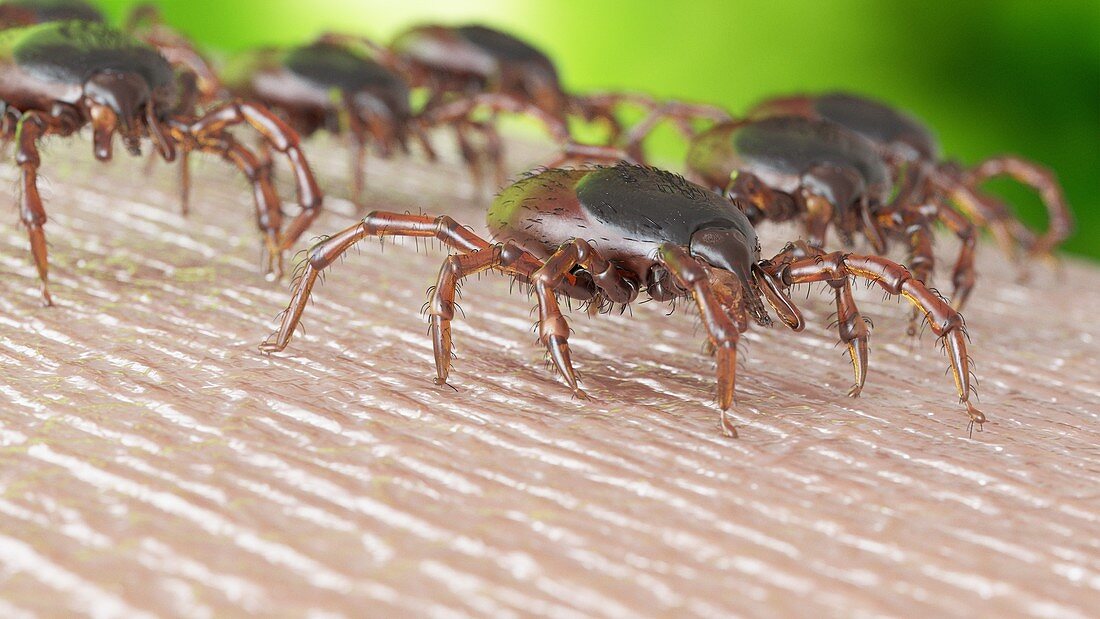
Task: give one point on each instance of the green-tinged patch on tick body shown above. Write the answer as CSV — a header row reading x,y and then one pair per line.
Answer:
x,y
72,51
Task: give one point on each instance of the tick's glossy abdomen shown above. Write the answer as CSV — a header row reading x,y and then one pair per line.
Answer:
x,y
626,211
70,52
880,123
780,150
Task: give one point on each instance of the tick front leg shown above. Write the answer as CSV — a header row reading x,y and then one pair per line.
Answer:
x,y
895,279
852,327
721,330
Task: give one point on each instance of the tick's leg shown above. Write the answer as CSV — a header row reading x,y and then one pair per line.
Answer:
x,y
469,155
507,258
464,108
895,279
721,330
758,201
852,327
922,261
681,113
1043,181
599,107
553,329
375,224
32,126
358,161
419,132
185,181
962,277
573,152
494,151
357,132
281,137
269,216
983,210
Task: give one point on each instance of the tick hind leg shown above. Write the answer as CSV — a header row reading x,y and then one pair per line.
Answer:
x,y
722,332
895,279
375,224
1040,179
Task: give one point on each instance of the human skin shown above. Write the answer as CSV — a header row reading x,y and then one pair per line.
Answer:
x,y
151,460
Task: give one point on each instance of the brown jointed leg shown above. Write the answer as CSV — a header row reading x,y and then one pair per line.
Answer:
x,y
32,126
962,276
507,258
553,328
984,211
922,262
852,327
464,108
375,224
469,155
281,137
721,330
185,181
1042,180
680,113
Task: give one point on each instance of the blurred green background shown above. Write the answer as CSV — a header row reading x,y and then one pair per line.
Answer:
x,y
989,76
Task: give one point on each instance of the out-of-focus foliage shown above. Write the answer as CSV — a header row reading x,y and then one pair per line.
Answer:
x,y
989,76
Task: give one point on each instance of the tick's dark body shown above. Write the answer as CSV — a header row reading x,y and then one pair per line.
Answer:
x,y
627,212
472,58
783,151
50,62
905,136
916,163
311,84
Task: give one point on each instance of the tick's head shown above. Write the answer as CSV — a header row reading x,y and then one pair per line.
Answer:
x,y
738,276
118,100
729,249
